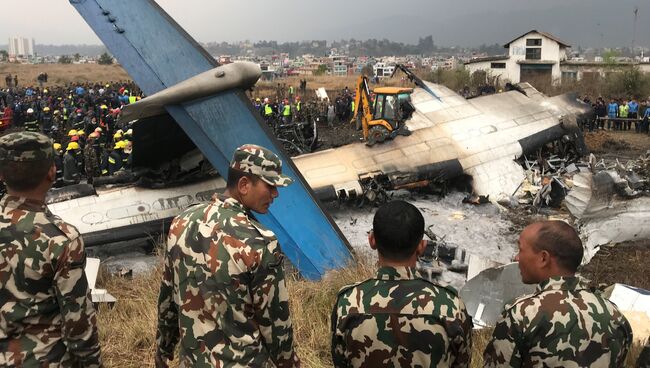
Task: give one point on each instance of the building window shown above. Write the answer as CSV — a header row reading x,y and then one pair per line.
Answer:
x,y
534,42
533,53
498,65
569,76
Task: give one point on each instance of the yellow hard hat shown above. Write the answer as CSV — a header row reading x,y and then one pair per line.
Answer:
x,y
120,145
46,109
119,131
72,146
81,132
93,135
103,107
57,112
57,146
117,135
72,132
98,130
129,132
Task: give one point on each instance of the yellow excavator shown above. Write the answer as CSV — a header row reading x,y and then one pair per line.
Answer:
x,y
384,117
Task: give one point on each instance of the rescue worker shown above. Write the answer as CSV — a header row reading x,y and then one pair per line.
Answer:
x,y
622,113
71,172
397,318
223,276
286,112
298,109
46,121
47,318
564,323
115,161
612,113
31,122
268,112
58,162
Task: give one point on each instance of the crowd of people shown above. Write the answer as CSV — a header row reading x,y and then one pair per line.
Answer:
x,y
287,107
81,119
620,114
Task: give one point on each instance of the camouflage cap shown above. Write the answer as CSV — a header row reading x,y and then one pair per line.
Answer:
x,y
259,161
25,146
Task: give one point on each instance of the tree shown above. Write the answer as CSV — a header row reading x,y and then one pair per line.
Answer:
x,y
322,69
4,55
77,57
65,59
105,59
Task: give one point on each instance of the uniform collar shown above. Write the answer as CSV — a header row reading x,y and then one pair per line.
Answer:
x,y
389,273
21,203
230,202
566,283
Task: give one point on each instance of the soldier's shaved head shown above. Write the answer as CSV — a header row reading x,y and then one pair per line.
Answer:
x,y
398,228
560,240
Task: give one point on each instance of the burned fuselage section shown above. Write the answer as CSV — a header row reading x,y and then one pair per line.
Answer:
x,y
451,136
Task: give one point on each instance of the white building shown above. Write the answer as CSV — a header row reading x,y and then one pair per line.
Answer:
x,y
383,70
21,47
532,57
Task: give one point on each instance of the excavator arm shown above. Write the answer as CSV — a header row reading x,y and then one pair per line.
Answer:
x,y
362,106
414,79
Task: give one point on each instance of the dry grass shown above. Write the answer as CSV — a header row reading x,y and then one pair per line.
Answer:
x,y
127,331
60,74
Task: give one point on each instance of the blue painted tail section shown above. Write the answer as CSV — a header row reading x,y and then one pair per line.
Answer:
x,y
158,53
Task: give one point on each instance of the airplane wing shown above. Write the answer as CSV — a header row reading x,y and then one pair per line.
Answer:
x,y
158,54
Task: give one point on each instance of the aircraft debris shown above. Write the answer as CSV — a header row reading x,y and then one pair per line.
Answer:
x,y
634,303
97,295
486,294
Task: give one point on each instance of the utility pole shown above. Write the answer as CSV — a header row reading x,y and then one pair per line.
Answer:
x,y
636,13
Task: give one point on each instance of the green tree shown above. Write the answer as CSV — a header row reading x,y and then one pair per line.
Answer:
x,y
105,59
65,59
322,69
77,57
4,55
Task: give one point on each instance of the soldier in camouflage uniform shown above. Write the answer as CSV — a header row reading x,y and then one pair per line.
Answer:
x,y
398,319
91,159
46,315
223,293
564,323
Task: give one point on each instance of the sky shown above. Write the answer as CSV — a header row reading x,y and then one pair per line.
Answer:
x,y
597,23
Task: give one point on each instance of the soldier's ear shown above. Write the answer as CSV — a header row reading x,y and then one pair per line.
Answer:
x,y
422,245
545,258
371,240
51,174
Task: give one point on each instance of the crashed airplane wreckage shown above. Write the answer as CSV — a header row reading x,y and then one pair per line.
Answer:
x,y
451,137
203,105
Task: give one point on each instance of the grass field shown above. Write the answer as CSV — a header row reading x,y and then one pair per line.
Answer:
x,y
127,331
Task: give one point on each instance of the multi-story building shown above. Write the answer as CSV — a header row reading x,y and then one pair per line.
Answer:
x,y
21,47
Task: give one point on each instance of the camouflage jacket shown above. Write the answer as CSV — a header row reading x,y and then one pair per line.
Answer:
x,y
91,161
400,320
563,324
223,286
46,316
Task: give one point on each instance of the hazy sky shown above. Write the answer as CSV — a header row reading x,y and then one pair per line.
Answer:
x,y
463,22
